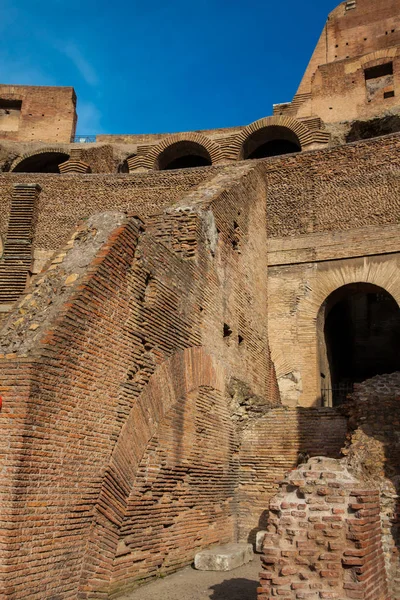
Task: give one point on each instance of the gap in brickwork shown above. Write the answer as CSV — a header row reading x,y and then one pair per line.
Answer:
x,y
10,112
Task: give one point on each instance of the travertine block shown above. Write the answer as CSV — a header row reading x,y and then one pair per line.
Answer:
x,y
224,558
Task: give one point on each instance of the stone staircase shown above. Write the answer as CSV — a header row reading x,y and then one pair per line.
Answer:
x,y
17,256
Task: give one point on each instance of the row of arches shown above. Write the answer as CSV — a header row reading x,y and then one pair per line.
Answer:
x,y
272,140
263,139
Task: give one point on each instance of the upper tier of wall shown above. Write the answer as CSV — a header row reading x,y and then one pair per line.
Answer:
x,y
37,113
339,189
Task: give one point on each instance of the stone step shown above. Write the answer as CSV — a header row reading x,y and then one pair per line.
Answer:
x,y
224,558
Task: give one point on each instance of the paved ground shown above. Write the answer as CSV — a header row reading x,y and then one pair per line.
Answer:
x,y
189,584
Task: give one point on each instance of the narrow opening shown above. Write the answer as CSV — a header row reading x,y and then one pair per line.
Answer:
x,y
227,331
388,94
378,71
240,340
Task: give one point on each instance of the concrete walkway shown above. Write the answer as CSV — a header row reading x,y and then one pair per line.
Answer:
x,y
189,584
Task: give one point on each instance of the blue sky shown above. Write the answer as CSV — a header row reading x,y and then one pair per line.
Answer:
x,y
154,67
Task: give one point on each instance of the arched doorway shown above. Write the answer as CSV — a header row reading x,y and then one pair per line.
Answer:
x,y
360,338
272,140
183,155
43,162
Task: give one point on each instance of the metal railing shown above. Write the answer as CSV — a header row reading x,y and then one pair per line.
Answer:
x,y
336,394
84,139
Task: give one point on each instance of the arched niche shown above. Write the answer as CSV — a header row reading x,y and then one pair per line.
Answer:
x,y
358,338
272,140
42,162
183,154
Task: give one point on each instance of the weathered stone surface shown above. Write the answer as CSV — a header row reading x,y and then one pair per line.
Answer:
x,y
224,558
260,535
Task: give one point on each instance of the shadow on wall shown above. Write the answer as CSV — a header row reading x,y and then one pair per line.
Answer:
x,y
235,589
364,130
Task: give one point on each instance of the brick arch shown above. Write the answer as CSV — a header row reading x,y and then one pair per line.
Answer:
x,y
304,135
213,149
382,273
46,150
377,56
182,374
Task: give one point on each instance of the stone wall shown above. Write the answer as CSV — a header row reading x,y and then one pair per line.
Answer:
x,y
297,293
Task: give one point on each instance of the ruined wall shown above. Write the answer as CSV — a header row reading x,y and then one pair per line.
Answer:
x,y
65,199
121,346
373,454
37,113
312,192
183,498
333,87
270,447
324,537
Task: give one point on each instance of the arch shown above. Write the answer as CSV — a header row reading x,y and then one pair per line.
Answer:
x,y
379,55
183,155
178,377
359,331
291,126
209,150
45,160
273,140
299,353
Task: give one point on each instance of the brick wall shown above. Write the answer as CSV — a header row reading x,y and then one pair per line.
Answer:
x,y
324,537
307,193
374,454
270,448
123,351
66,199
323,191
47,113
184,494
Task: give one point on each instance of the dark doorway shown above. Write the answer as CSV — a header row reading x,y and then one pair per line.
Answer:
x,y
273,140
45,162
362,338
183,155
